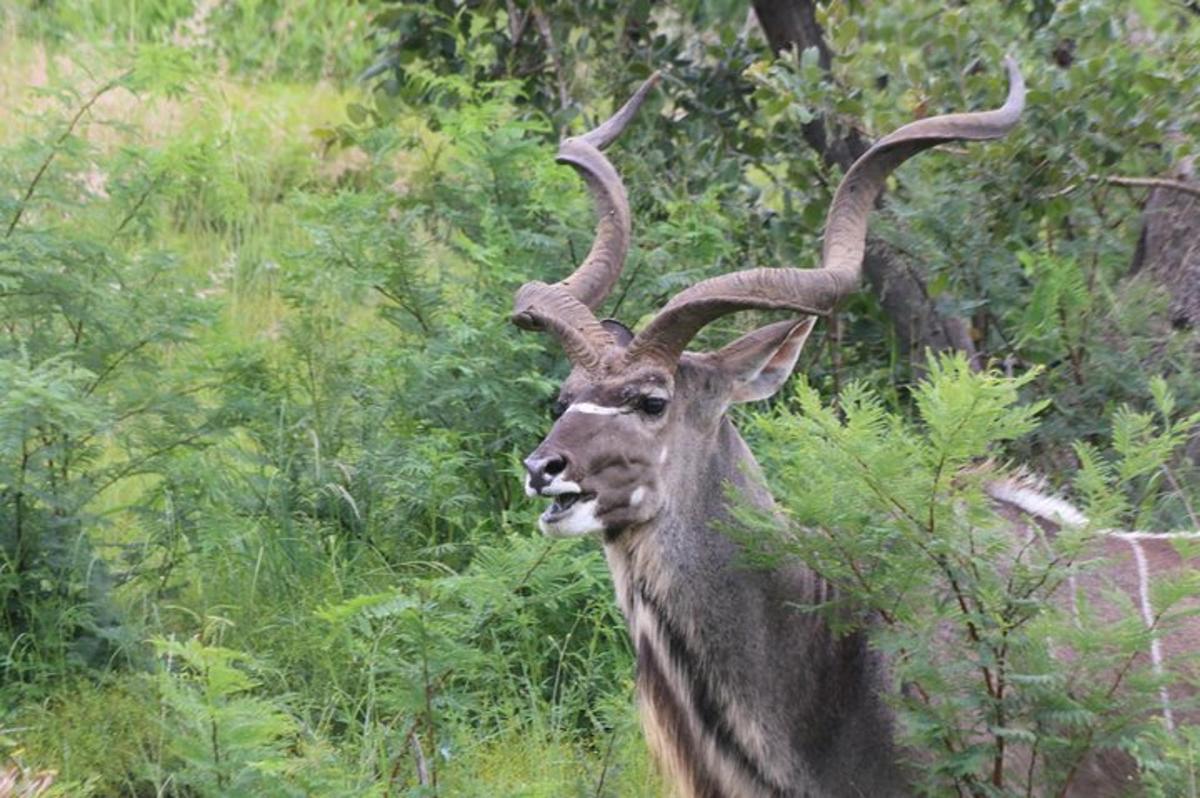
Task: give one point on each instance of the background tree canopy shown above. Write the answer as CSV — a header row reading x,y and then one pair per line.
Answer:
x,y
262,412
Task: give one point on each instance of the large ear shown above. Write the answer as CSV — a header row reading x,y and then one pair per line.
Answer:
x,y
761,361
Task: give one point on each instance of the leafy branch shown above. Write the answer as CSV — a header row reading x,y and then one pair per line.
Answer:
x,y
57,146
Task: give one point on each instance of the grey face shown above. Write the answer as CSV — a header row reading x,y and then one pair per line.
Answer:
x,y
600,465
627,442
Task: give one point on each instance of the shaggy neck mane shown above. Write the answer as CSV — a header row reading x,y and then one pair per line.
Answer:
x,y
741,692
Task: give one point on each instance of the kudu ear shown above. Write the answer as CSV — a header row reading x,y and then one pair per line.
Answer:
x,y
761,361
622,334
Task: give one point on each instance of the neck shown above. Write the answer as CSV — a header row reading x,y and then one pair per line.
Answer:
x,y
741,692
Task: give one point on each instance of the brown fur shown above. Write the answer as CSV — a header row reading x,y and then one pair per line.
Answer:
x,y
1109,585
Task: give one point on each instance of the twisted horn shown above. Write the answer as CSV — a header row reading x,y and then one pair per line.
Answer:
x,y
567,307
817,291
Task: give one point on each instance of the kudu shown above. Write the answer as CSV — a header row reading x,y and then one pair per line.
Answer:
x,y
740,693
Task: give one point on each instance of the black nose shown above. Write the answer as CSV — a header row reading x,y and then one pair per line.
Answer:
x,y
543,470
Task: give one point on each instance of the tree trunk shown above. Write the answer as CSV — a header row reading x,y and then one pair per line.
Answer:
x,y
1168,254
1168,250
899,287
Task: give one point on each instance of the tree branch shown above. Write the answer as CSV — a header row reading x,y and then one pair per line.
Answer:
x,y
1164,183
1149,182
66,134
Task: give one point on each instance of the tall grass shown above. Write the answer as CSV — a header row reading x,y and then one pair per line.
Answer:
x,y
312,598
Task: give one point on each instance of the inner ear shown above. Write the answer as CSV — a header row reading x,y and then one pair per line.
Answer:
x,y
760,362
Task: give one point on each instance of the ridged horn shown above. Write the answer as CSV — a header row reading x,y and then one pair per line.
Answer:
x,y
567,308
817,291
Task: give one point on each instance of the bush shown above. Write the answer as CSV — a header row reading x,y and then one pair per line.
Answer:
x,y
1006,677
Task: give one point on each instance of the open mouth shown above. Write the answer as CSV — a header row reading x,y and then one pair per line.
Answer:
x,y
563,503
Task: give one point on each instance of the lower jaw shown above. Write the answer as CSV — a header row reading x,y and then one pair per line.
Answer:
x,y
575,521
552,515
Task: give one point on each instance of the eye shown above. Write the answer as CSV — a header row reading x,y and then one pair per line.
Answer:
x,y
558,408
652,405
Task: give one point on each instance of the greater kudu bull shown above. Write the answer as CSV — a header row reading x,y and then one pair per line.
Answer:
x,y
740,694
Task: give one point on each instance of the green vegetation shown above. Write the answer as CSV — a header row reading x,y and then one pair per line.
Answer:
x,y
262,412
964,607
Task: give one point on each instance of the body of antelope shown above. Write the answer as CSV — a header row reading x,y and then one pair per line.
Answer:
x,y
741,692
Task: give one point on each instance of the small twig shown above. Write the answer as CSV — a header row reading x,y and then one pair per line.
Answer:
x,y
414,742
1183,497
400,302
37,178
1130,182
408,307
1033,755
1149,182
516,23
1062,192
216,748
1152,628
547,33
628,283
607,761
132,467
398,760
112,365
137,206
541,558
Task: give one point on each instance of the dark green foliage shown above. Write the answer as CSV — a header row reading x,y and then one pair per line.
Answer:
x,y
88,402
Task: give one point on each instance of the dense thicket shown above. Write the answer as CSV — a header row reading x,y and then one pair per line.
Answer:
x,y
262,412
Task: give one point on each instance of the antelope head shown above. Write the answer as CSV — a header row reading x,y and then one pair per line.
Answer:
x,y
639,417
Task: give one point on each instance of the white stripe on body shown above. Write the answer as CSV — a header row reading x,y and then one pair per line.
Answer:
x,y
1036,503
638,565
1058,511
1156,655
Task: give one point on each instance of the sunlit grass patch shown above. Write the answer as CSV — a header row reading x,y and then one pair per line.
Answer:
x,y
530,764
307,41
97,735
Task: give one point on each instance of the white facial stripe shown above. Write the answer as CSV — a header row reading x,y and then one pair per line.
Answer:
x,y
636,497
581,520
594,410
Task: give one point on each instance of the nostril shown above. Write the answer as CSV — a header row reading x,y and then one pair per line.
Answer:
x,y
541,471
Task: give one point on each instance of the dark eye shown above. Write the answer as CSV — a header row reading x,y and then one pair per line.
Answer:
x,y
652,405
558,408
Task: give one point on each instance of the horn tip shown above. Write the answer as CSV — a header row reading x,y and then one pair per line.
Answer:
x,y
1016,82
